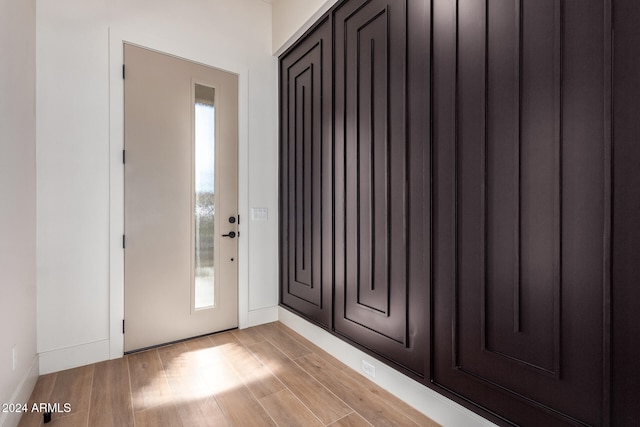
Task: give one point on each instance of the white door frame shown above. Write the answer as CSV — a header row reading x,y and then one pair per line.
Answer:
x,y
117,38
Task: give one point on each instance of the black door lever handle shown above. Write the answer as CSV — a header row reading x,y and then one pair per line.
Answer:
x,y
231,234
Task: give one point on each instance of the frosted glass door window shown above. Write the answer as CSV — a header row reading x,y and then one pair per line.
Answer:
x,y
205,208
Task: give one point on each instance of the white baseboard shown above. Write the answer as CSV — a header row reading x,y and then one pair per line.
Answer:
x,y
72,357
437,407
98,351
262,316
21,395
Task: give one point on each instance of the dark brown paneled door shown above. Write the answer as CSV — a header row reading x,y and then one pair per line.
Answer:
x,y
625,218
371,173
306,180
520,214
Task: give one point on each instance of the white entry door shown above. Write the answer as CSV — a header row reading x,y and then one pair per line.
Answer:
x,y
181,175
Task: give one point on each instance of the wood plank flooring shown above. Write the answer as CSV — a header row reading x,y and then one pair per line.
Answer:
x,y
262,376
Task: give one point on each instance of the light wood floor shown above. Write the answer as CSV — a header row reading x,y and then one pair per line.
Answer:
x,y
262,376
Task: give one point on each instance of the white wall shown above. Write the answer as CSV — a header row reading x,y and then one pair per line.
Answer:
x,y
291,18
74,121
17,203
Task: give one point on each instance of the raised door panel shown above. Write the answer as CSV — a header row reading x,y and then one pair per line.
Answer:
x,y
381,286
306,181
520,216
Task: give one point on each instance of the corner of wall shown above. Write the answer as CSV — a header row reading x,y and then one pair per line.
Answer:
x,y
291,19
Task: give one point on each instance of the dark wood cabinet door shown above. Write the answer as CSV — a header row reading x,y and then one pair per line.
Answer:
x,y
625,236
305,176
521,174
380,287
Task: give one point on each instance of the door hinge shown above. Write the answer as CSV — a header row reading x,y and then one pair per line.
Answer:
x,y
123,157
123,326
123,245
123,71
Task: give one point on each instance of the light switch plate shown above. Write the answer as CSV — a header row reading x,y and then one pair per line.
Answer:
x,y
259,214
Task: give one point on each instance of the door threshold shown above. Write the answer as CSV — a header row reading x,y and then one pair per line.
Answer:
x,y
166,344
